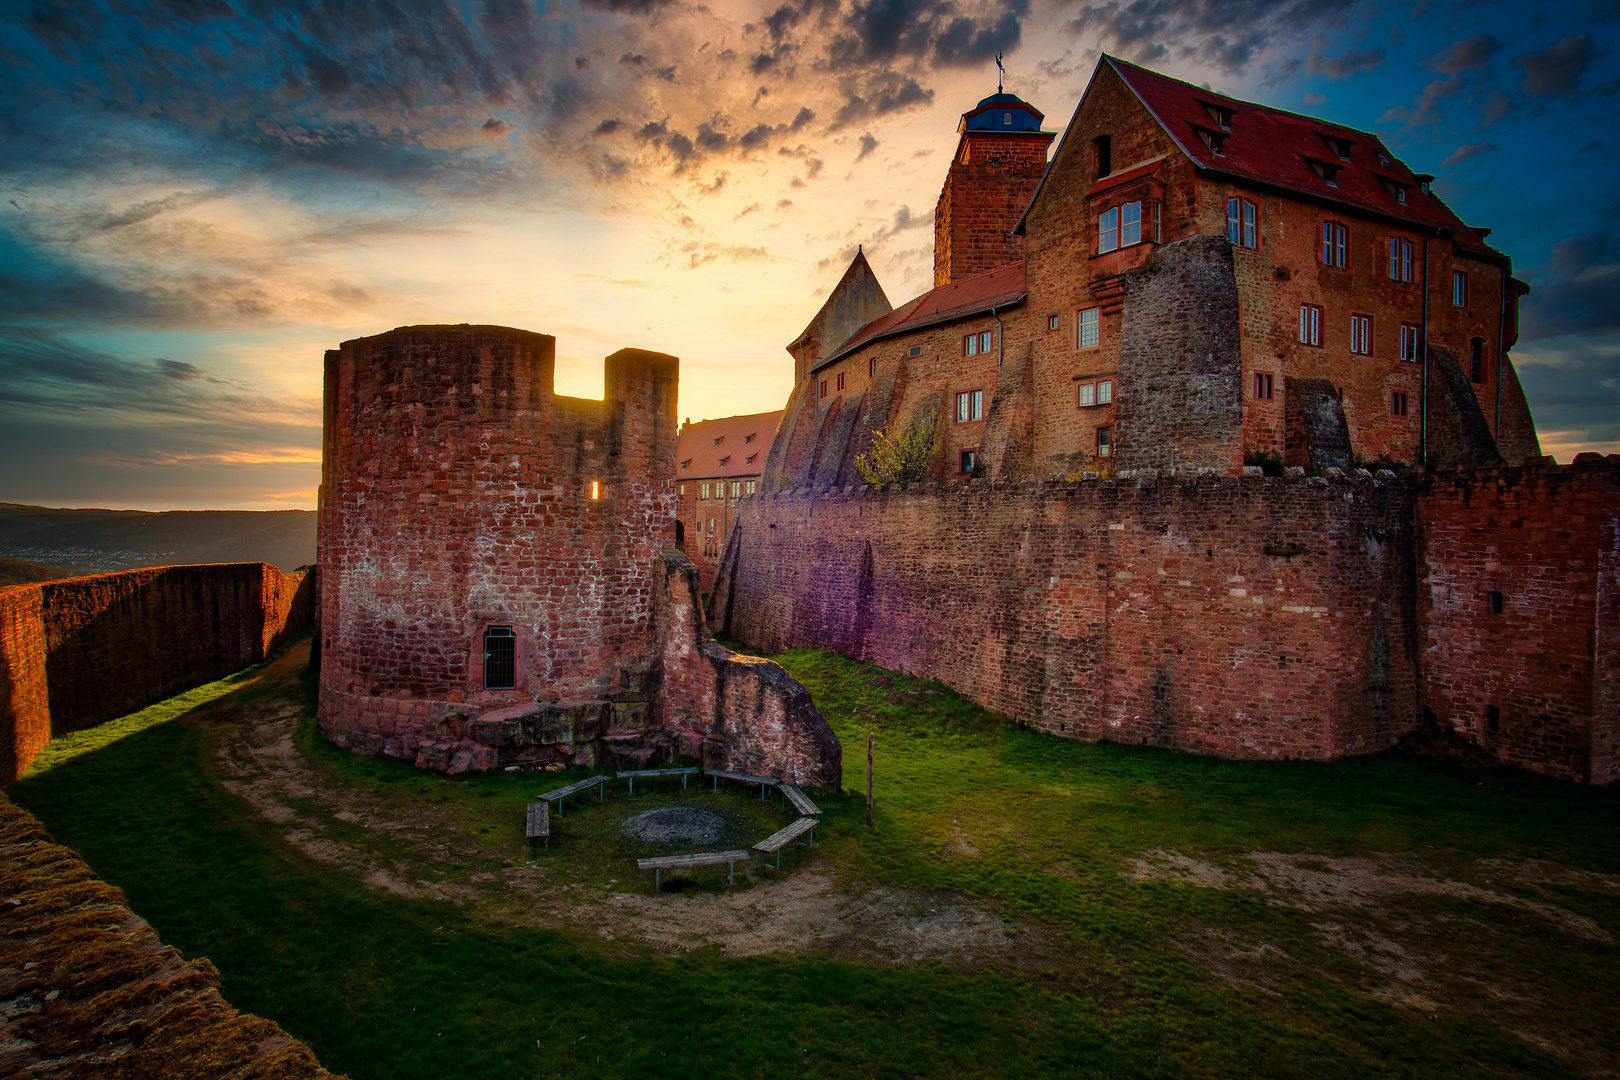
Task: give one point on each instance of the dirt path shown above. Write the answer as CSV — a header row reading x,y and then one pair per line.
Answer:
x,y
406,847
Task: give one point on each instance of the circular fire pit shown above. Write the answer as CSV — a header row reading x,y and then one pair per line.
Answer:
x,y
676,826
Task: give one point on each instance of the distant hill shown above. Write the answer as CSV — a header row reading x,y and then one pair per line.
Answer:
x,y
101,541
23,572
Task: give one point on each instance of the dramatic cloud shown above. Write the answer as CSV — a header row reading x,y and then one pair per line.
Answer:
x,y
1343,66
1463,153
1464,55
1556,71
1224,34
1578,291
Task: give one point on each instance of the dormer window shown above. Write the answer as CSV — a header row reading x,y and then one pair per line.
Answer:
x,y
1398,190
748,438
1340,147
751,458
1383,159
1326,170
1220,114
718,441
1006,118
1214,141
685,463
723,461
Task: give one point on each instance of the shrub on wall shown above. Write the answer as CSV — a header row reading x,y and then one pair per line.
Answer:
x,y
906,456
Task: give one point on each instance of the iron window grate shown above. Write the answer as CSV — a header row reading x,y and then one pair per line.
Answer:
x,y
500,658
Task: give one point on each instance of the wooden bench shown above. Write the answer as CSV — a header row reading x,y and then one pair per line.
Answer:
x,y
779,840
684,862
743,778
801,802
598,782
632,774
539,823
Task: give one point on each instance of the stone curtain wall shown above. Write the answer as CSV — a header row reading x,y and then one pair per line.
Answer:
x,y
91,990
457,495
1546,539
1246,617
77,652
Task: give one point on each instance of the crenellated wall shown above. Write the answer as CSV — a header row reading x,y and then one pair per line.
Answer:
x,y
76,652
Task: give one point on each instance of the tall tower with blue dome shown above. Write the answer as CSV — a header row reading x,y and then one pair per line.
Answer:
x,y
999,161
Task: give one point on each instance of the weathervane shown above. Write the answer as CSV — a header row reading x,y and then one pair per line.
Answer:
x,y
1001,73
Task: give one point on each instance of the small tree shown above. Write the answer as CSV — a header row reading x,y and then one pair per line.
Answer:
x,y
905,456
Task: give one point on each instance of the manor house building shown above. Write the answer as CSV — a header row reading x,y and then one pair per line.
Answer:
x,y
1192,282
717,462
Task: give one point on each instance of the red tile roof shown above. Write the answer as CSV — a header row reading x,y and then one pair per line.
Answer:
x,y
998,288
699,457
1276,148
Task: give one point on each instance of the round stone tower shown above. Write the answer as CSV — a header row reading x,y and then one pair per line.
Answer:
x,y
484,542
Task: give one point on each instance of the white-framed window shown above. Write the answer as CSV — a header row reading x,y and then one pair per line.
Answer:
x,y
1400,259
736,488
1335,244
871,367
1052,322
969,459
1088,327
1096,393
1411,341
969,406
1310,324
1108,230
1361,334
703,491
1105,441
1459,288
1241,219
750,486
974,344
680,489
1130,224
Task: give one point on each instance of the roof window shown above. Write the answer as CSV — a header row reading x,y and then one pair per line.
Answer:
x,y
1328,171
1339,146
749,438
1214,141
685,463
723,461
1221,114
718,441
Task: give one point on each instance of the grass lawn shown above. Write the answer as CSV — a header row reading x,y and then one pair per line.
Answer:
x,y
1165,914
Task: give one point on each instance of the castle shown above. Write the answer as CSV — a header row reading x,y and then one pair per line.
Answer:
x,y
1118,348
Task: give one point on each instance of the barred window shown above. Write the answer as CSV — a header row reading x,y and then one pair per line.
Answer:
x,y
500,658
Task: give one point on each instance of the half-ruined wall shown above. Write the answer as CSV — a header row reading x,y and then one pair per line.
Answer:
x,y
1243,617
460,492
76,652
734,712
1180,366
1535,680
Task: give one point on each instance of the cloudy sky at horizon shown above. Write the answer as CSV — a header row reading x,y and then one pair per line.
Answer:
x,y
202,196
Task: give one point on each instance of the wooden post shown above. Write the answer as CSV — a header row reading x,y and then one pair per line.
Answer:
x,y
869,738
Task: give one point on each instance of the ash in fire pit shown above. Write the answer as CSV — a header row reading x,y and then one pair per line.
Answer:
x,y
676,826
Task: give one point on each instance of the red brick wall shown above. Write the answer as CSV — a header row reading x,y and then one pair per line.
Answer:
x,y
77,652
456,495
988,186
1548,539
1241,617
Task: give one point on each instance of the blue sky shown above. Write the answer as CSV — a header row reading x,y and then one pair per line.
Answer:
x,y
201,196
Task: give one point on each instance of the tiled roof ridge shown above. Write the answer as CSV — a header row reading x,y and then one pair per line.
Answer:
x,y
900,318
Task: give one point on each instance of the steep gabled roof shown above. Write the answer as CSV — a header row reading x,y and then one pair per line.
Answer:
x,y
998,288
1285,150
732,439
